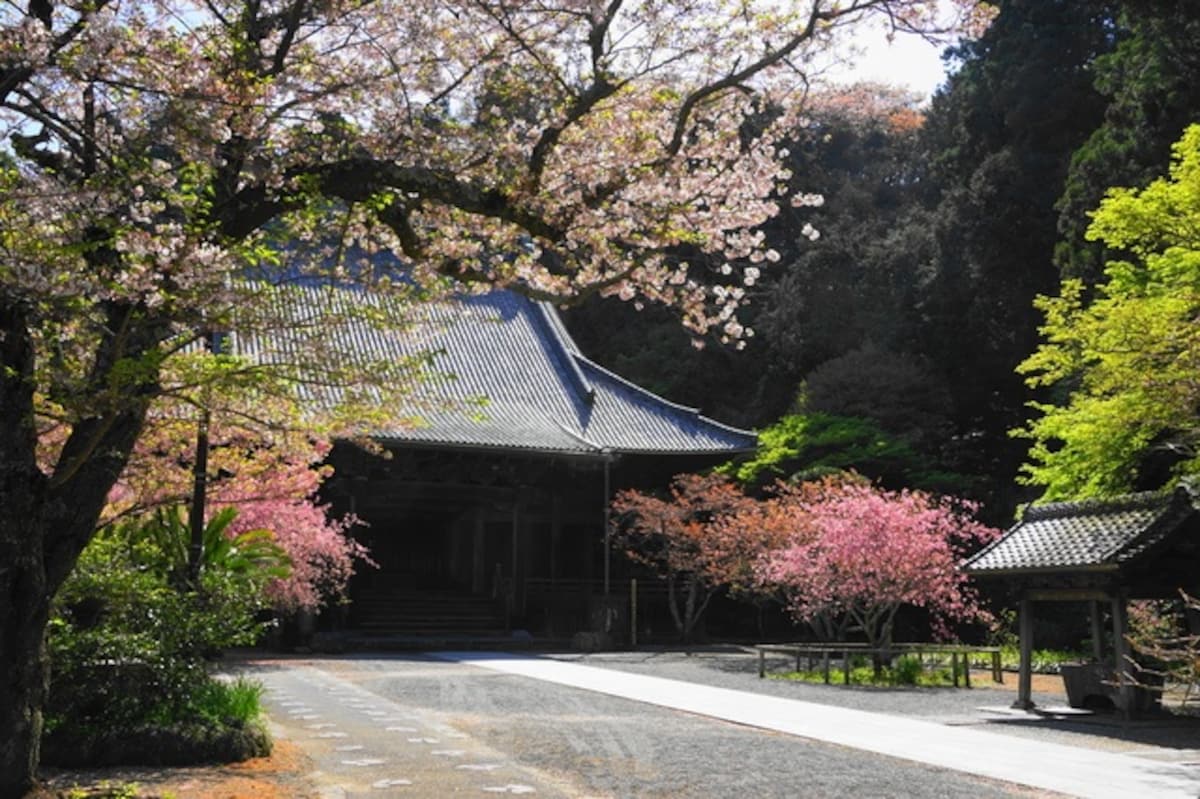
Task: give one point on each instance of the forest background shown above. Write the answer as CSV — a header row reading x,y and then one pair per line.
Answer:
x,y
888,336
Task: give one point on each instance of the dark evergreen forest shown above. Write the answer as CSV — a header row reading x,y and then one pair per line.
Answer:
x,y
888,344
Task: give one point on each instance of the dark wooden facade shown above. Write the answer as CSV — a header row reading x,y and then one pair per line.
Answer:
x,y
526,530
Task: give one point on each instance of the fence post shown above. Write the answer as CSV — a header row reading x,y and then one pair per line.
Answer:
x,y
633,613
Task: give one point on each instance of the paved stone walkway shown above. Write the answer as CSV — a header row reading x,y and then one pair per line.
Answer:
x,y
1038,764
363,745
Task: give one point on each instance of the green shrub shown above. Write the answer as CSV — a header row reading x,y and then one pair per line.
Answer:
x,y
130,646
907,670
1043,661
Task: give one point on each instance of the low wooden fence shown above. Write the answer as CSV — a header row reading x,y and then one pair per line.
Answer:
x,y
960,657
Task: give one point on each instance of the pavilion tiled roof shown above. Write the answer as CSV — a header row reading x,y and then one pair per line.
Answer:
x,y
1092,535
538,391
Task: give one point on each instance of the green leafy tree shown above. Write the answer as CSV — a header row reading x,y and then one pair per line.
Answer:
x,y
1127,359
808,446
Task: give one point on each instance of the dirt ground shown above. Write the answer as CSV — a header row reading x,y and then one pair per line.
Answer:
x,y
1042,683
283,775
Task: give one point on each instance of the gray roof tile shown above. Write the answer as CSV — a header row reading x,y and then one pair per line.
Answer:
x,y
1076,536
541,393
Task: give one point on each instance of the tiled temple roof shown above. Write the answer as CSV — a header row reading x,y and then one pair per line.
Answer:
x,y
540,393
1090,535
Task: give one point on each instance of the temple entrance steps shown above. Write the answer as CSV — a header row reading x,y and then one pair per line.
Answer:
x,y
399,609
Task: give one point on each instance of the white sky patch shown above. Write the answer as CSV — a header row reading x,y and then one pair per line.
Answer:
x,y
908,60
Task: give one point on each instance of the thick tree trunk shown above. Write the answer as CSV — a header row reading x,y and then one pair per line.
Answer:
x,y
45,522
24,598
24,667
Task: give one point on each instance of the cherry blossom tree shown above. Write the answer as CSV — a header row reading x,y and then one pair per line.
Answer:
x,y
690,538
860,553
272,481
156,150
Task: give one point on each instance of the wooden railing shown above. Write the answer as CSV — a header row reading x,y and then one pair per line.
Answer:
x,y
960,656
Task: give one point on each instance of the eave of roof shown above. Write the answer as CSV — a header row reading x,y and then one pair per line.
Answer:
x,y
1085,536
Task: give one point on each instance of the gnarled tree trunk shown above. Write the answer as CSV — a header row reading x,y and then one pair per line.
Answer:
x,y
24,612
24,599
45,522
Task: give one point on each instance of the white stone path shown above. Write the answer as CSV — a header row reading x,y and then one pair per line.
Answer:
x,y
1048,766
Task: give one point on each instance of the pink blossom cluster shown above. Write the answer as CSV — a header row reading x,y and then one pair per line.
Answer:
x,y
845,554
272,481
322,551
863,551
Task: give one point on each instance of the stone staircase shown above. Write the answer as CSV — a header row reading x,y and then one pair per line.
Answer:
x,y
398,610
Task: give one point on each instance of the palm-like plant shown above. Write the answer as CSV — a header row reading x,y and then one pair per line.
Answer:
x,y
252,554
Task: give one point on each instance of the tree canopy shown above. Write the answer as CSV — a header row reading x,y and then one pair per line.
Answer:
x,y
858,553
1127,358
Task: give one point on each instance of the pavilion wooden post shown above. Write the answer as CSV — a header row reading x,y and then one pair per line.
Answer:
x,y
1097,632
1025,677
1121,652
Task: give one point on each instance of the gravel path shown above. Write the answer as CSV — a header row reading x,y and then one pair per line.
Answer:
x,y
1179,739
559,741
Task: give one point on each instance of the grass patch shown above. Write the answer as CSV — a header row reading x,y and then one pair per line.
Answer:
x,y
905,671
1045,661
237,702
220,722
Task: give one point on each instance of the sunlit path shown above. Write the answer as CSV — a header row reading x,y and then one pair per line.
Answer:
x,y
1047,766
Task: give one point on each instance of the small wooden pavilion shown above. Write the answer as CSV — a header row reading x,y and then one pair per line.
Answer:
x,y
1141,546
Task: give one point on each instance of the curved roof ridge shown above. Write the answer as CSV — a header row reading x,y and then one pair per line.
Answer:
x,y
634,387
581,438
558,326
558,333
1145,500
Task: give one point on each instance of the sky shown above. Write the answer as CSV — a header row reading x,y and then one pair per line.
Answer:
x,y
909,61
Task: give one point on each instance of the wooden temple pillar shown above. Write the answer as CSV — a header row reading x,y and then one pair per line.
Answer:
x,y
1025,675
479,574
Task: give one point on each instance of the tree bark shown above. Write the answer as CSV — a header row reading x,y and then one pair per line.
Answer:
x,y
24,600
24,666
44,526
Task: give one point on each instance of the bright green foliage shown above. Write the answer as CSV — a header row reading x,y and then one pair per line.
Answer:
x,y
1131,356
812,445
218,701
